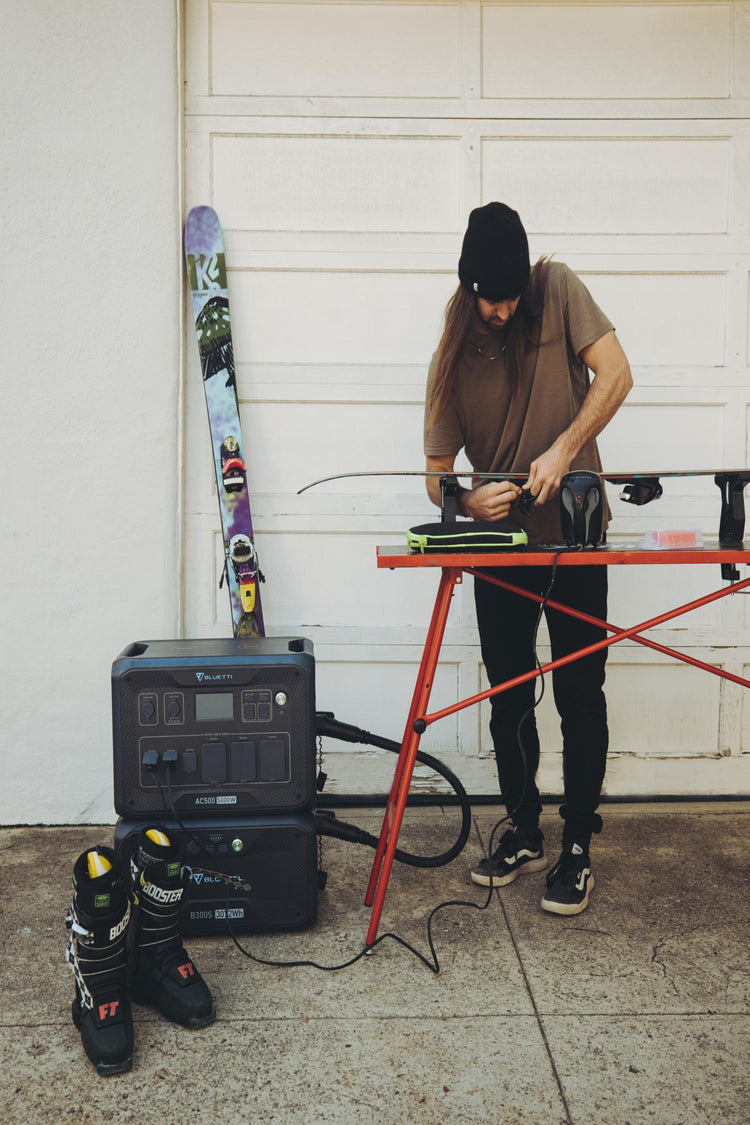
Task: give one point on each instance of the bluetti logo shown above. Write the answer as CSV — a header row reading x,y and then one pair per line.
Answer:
x,y
212,677
201,877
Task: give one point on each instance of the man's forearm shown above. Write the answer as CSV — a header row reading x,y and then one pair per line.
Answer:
x,y
609,387
606,394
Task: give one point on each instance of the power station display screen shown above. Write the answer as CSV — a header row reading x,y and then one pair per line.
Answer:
x,y
213,706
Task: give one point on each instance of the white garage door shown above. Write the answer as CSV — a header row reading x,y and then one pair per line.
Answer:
x,y
343,145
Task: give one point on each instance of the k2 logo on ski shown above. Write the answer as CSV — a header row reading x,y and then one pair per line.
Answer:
x,y
206,272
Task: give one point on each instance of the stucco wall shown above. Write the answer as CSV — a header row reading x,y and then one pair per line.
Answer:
x,y
89,426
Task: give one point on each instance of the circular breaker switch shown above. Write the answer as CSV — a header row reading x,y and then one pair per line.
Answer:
x,y
174,708
148,709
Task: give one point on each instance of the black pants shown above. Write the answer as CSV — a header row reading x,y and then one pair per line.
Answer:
x,y
506,627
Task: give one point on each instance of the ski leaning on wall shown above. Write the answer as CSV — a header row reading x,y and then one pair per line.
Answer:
x,y
207,280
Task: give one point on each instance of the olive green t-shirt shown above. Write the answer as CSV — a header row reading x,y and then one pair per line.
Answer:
x,y
504,433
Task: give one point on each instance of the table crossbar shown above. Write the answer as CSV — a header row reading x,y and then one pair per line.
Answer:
x,y
645,641
621,635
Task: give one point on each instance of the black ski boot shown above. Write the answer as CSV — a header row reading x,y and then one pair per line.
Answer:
x,y
98,922
163,975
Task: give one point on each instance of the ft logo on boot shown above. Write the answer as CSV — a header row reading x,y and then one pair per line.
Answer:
x,y
108,1010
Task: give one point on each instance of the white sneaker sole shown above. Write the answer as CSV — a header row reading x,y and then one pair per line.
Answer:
x,y
504,880
569,908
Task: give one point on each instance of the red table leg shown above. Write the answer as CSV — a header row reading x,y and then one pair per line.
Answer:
x,y
394,812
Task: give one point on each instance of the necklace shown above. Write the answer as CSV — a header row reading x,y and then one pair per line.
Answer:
x,y
484,355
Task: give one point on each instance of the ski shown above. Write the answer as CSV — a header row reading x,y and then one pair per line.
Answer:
x,y
207,281
613,478
640,487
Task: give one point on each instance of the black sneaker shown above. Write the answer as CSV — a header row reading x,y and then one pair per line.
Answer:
x,y
517,853
569,883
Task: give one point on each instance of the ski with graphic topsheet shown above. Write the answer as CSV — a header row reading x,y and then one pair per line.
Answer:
x,y
207,281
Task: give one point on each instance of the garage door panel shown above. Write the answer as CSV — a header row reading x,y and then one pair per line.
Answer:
x,y
295,443
337,183
624,47
332,382
672,435
374,694
331,580
354,50
606,185
663,710
321,317
666,318
653,710
638,594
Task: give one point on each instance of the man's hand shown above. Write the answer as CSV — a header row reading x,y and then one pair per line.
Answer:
x,y
491,501
546,473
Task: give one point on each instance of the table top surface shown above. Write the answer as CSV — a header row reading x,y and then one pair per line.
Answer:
x,y
392,557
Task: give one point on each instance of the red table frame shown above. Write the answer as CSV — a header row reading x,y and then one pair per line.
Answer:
x,y
452,567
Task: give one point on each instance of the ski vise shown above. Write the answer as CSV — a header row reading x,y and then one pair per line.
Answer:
x,y
732,519
449,499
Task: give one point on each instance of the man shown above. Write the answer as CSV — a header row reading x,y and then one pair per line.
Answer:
x,y
510,384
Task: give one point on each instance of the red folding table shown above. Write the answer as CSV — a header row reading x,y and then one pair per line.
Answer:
x,y
452,568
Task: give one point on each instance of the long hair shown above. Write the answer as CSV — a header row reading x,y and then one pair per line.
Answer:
x,y
521,335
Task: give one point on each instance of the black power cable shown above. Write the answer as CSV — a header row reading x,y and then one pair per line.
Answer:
x,y
232,882
327,725
433,965
328,825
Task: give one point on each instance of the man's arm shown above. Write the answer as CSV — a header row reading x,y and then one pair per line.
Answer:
x,y
490,501
609,387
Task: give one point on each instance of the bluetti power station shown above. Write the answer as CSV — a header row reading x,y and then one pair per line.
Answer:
x,y
215,739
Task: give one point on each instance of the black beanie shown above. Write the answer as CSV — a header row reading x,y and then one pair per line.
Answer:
x,y
494,260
